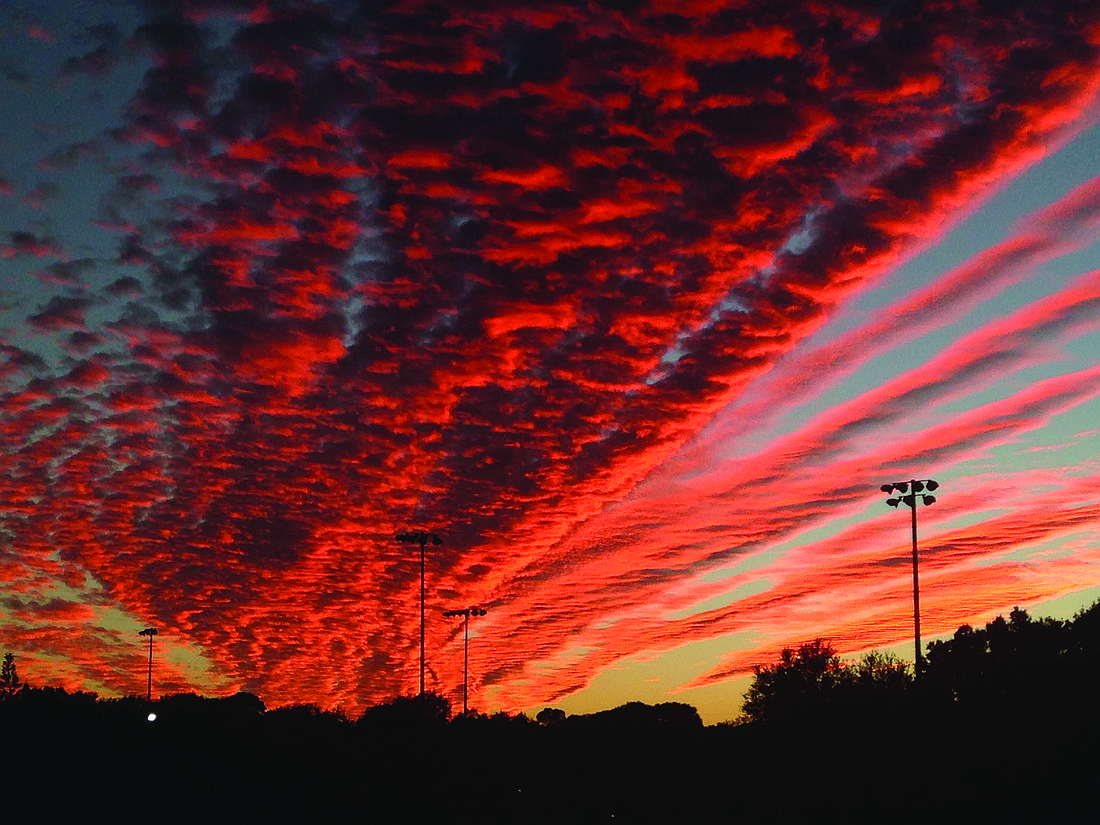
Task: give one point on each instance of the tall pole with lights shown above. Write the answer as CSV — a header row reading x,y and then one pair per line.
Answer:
x,y
910,491
465,613
422,538
150,632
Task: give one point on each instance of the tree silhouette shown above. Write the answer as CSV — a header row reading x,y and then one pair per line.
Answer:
x,y
548,716
9,676
880,673
1004,662
424,712
795,687
811,678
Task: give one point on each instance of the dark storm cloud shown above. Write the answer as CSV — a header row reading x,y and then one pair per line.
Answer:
x,y
27,243
102,48
60,313
485,266
66,273
97,63
127,286
43,196
17,360
13,75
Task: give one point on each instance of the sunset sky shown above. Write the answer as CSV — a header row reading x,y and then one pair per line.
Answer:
x,y
635,304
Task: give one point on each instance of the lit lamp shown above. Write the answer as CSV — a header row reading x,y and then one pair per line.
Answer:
x,y
912,491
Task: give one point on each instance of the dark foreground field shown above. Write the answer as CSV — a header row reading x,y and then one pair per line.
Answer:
x,y
1003,726
226,760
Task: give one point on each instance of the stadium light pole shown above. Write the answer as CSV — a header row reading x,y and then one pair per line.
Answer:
x,y
910,491
465,613
422,538
150,632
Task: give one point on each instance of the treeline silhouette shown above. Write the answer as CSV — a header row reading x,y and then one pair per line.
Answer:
x,y
1003,724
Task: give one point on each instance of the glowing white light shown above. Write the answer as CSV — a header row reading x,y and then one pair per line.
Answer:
x,y
152,717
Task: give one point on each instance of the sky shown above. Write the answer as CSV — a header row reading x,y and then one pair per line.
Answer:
x,y
635,304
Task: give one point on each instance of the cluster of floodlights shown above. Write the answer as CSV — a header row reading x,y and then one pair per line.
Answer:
x,y
419,537
465,611
909,498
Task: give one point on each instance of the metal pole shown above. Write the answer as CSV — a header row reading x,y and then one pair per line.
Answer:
x,y
916,587
908,491
423,541
422,538
149,688
466,666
